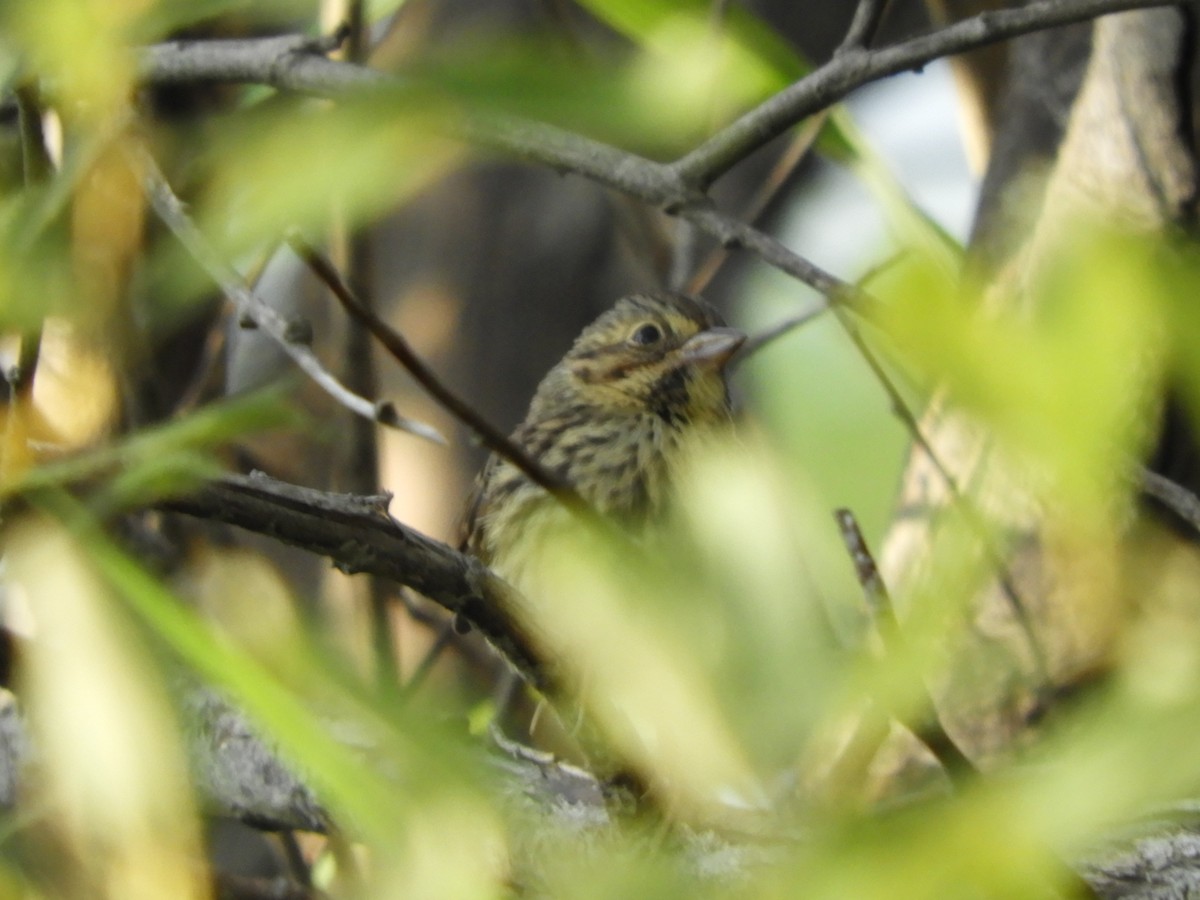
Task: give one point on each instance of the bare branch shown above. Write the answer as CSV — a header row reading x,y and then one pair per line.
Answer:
x,y
796,152
678,188
732,232
887,626
395,343
240,775
972,518
867,16
290,62
769,334
358,464
1174,496
293,63
358,535
856,67
757,341
292,339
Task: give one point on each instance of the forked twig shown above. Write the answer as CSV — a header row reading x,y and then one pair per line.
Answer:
x,y
796,152
395,343
292,337
857,66
867,16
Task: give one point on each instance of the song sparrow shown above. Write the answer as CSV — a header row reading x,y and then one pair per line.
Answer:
x,y
611,420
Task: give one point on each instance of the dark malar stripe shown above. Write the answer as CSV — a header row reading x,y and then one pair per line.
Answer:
x,y
669,400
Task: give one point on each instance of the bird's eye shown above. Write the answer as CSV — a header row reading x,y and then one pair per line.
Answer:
x,y
647,334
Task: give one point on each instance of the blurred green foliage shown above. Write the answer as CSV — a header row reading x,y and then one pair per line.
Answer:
x,y
727,664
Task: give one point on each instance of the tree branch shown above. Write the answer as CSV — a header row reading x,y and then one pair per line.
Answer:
x,y
1172,495
394,342
867,16
289,62
732,232
358,535
971,516
930,731
292,337
857,66
293,63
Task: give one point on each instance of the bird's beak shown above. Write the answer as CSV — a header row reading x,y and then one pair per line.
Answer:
x,y
711,349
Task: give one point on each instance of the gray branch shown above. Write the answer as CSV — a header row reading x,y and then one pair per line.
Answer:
x,y
358,536
295,63
240,776
293,337
856,66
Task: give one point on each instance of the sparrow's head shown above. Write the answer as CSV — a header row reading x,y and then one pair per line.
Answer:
x,y
660,352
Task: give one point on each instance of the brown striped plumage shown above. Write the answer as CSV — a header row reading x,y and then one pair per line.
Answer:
x,y
610,420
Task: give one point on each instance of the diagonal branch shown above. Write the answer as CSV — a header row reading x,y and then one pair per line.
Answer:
x,y
867,16
857,66
294,63
974,520
394,342
1173,496
930,732
732,232
293,339
358,535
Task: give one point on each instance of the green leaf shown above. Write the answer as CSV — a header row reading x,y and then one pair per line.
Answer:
x,y
171,447
353,787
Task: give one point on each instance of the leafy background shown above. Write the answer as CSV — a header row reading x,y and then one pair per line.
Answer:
x,y
728,667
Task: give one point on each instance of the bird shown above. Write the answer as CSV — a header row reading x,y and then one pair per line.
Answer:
x,y
611,420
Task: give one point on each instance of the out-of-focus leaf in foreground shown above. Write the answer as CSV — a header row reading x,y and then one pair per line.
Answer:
x,y
648,102
113,767
82,47
1064,375
738,34
395,785
174,448
687,647
277,167
603,616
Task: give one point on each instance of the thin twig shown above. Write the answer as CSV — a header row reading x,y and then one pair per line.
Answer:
x,y
294,854
732,232
757,341
855,67
294,63
35,158
474,653
291,336
684,247
445,635
797,151
867,16
679,187
358,536
395,343
887,626
360,464
37,168
1174,496
760,339
837,294
974,522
